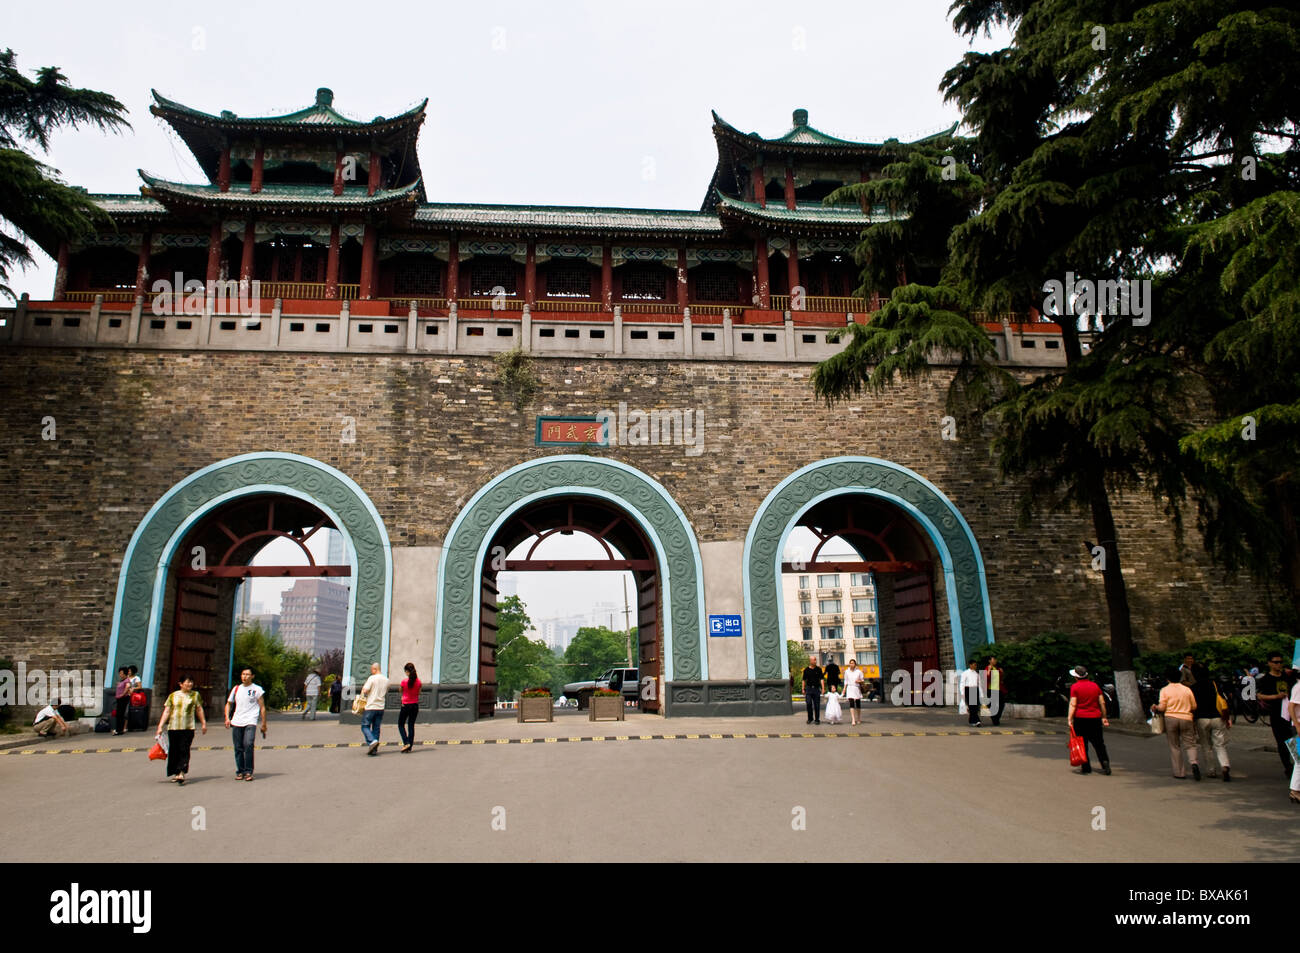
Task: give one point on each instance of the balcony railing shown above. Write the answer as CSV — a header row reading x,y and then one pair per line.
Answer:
x,y
490,304
735,309
646,307
110,294
306,290
868,618
824,303
828,593
573,306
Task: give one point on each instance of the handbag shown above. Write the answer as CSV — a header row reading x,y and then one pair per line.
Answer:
x,y
1220,703
1157,724
1291,747
139,699
358,705
159,750
1078,751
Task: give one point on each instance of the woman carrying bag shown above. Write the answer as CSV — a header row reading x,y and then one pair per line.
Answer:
x,y
178,716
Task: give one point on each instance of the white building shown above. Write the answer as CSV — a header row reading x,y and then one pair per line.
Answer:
x,y
833,615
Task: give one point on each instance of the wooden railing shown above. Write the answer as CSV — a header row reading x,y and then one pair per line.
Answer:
x,y
645,307
490,304
109,295
560,304
716,309
825,303
431,303
306,290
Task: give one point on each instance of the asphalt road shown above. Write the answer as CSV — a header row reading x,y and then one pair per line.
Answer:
x,y
502,792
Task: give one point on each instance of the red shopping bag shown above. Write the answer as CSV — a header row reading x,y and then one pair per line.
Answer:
x,y
156,753
1078,753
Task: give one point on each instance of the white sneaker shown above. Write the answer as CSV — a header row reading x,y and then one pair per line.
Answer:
x,y
374,747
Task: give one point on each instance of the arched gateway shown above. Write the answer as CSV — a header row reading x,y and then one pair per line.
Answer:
x,y
464,585
309,487
812,489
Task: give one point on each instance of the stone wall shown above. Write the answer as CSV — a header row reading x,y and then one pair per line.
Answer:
x,y
431,430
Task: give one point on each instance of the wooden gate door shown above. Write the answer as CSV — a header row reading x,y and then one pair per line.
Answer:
x,y
647,627
918,640
194,643
487,647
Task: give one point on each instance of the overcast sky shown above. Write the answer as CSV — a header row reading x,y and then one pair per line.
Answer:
x,y
561,103
557,103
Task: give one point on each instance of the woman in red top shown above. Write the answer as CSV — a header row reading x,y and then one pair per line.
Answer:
x,y
1087,716
410,706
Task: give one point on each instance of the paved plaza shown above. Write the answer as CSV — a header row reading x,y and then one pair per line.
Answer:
x,y
913,785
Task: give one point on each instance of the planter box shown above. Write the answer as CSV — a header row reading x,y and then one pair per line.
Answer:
x,y
606,708
536,709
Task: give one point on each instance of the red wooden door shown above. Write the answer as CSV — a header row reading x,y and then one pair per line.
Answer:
x,y
918,639
194,643
487,648
647,625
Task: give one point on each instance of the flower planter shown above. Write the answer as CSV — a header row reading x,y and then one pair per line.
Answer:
x,y
536,708
606,708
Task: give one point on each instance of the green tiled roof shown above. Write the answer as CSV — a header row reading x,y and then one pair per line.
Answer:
x,y
579,218
320,113
128,204
841,215
802,134
274,194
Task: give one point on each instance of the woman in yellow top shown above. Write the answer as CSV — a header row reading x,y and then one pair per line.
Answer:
x,y
178,716
1178,705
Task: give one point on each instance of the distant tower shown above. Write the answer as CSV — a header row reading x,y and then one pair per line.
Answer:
x,y
338,549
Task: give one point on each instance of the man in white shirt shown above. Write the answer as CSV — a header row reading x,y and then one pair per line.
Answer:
x,y
970,690
312,690
250,708
49,721
372,718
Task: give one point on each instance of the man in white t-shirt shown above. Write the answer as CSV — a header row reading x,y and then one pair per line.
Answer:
x,y
372,718
49,721
250,709
312,690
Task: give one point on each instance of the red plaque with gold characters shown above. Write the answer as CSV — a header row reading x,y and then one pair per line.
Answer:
x,y
569,432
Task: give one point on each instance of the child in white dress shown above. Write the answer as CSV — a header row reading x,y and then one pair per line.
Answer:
x,y
833,707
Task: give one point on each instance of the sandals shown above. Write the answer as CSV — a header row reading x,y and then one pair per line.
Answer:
x,y
1295,797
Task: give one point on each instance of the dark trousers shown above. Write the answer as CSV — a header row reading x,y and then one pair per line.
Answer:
x,y
406,723
119,713
997,703
1282,731
973,704
243,737
812,699
334,703
178,751
1089,729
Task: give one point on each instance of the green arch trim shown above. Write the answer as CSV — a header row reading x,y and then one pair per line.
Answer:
x,y
968,597
641,496
138,610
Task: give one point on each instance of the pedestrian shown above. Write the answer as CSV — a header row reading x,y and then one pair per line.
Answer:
x,y
50,721
410,707
312,690
1185,673
995,681
336,695
178,714
1211,723
250,712
1087,717
832,674
1294,705
853,679
134,673
372,717
813,680
1270,689
121,700
970,694
834,713
1178,705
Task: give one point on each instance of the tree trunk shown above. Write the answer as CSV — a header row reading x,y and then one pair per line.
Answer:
x,y
1121,622
1282,505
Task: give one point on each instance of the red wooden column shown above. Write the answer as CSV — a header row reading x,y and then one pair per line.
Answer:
x,y
61,273
297,264
214,253
759,186
789,187
530,275
682,274
246,259
764,285
338,172
142,265
375,170
368,245
607,278
223,170
259,158
332,265
453,270
792,264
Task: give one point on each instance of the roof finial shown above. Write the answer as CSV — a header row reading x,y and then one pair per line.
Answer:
x,y
801,117
324,96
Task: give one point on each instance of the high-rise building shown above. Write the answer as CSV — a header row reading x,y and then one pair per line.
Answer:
x,y
338,549
314,616
831,620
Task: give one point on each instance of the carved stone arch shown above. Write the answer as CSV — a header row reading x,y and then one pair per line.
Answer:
x,y
933,513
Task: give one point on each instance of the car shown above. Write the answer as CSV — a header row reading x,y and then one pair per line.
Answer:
x,y
625,680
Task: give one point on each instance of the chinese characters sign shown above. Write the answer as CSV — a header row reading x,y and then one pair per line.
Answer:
x,y
568,431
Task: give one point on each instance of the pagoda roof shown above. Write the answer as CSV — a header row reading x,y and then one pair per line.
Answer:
x,y
802,137
276,197
502,219
802,218
206,133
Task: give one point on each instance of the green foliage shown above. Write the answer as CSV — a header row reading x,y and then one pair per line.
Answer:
x,y
275,667
330,663
593,650
797,658
515,377
521,662
34,204
1033,667
1221,655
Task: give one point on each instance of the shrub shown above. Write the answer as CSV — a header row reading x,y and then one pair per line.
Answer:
x,y
1035,666
1220,655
